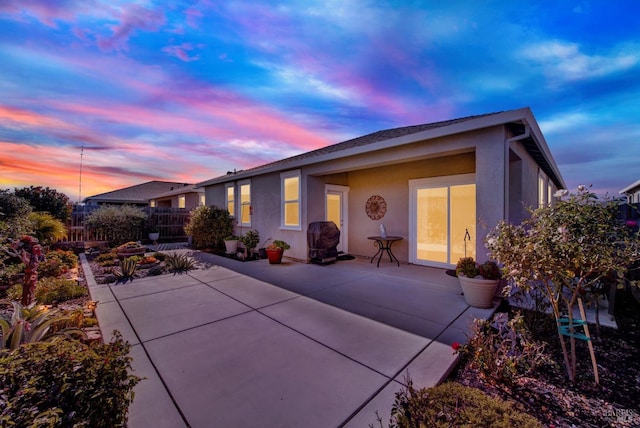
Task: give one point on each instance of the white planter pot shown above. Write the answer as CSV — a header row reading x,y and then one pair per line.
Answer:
x,y
231,246
153,236
478,292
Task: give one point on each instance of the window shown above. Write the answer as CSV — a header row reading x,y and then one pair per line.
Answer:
x,y
542,190
231,199
202,200
549,194
245,204
290,193
182,201
152,203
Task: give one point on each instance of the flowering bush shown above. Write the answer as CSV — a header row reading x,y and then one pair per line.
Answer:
x,y
468,267
564,249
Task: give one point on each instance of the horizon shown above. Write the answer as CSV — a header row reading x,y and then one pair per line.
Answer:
x,y
137,91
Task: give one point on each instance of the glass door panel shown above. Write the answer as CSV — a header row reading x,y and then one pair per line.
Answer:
x,y
463,219
432,224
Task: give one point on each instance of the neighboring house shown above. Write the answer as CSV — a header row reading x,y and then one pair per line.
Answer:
x,y
187,197
632,192
137,195
429,184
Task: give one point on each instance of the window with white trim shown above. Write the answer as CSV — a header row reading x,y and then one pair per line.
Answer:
x,y
542,190
182,201
152,203
230,199
203,200
290,195
245,204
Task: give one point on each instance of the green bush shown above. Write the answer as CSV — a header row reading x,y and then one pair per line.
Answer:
x,y
66,383
117,224
454,405
46,228
209,226
57,262
501,350
159,256
51,290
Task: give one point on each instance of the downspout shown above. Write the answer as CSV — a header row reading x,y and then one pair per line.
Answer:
x,y
507,146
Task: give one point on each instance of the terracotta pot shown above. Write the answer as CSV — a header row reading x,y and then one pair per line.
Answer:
x,y
275,256
478,292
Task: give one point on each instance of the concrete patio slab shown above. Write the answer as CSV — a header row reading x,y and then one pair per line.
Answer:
x,y
383,348
252,292
251,371
102,293
380,405
426,369
159,314
150,285
111,317
153,405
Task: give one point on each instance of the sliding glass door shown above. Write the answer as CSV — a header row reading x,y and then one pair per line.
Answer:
x,y
442,219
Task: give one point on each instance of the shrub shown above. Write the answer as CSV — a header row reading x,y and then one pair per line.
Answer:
x,y
113,254
117,224
54,290
209,226
46,228
179,263
57,262
66,383
127,272
502,350
15,214
159,256
31,324
454,405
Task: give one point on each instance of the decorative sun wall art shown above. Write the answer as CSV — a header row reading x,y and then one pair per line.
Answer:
x,y
376,207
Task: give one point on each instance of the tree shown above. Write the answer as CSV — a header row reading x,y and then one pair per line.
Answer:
x,y
209,226
47,200
117,224
14,215
46,228
564,251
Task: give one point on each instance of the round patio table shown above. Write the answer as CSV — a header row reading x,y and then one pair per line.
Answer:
x,y
384,245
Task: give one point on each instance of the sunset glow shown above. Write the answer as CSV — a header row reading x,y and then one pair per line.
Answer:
x,y
186,91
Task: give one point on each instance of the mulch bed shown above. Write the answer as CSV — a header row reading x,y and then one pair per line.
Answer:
x,y
555,401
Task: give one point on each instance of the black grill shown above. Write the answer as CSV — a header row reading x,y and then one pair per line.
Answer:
x,y
323,238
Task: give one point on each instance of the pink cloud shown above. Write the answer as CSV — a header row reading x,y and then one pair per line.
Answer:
x,y
181,52
131,19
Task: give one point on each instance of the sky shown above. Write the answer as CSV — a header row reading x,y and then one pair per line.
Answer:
x,y
97,95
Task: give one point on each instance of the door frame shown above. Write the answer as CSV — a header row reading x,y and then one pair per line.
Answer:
x,y
420,183
343,191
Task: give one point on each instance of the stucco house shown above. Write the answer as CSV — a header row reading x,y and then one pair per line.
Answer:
x,y
187,197
632,192
137,195
432,184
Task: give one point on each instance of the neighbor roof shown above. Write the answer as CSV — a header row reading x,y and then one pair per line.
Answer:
x,y
392,137
191,188
138,194
631,187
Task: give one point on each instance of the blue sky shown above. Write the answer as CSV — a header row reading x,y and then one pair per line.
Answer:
x,y
185,91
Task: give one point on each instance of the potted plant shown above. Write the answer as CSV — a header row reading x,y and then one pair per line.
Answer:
x,y
154,233
479,282
275,251
129,249
250,241
231,244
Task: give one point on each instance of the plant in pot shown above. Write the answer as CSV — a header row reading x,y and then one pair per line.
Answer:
x,y
479,282
231,244
276,250
250,241
154,233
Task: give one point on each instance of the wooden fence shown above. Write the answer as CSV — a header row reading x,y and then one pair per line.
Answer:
x,y
169,221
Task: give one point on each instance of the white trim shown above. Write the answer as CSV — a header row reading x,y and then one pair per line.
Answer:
x,y
283,176
344,228
241,205
421,183
226,198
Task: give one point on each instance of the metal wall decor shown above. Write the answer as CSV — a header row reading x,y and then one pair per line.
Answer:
x,y
376,207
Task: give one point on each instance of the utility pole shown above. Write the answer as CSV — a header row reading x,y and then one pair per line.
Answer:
x,y
80,181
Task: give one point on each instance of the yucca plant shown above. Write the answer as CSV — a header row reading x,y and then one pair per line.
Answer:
x,y
32,324
127,272
179,263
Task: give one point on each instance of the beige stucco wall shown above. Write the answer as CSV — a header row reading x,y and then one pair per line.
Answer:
x,y
387,172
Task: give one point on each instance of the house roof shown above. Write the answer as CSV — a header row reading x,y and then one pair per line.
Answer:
x,y
388,138
631,187
191,188
138,194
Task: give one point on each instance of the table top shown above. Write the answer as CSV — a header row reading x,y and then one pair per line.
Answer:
x,y
386,238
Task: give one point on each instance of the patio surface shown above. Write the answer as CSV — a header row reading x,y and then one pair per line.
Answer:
x,y
290,345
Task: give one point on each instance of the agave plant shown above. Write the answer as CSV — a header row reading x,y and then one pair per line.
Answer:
x,y
127,272
32,324
179,263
